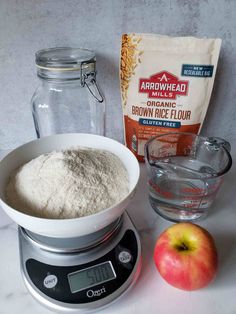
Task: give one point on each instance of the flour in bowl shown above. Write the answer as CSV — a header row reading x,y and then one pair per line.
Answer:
x,y
68,184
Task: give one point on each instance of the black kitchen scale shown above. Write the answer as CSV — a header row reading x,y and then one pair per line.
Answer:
x,y
83,274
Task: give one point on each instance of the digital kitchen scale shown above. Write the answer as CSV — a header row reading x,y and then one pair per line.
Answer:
x,y
84,274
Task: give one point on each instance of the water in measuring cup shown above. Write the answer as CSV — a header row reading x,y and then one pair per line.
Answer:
x,y
182,188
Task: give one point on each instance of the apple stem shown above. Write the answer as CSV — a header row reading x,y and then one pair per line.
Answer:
x,y
182,247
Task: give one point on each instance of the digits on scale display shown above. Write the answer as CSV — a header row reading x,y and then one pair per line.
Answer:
x,y
91,276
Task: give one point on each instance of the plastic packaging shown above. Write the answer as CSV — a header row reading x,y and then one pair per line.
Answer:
x,y
166,84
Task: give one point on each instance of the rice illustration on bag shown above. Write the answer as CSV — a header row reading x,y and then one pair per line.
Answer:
x,y
166,84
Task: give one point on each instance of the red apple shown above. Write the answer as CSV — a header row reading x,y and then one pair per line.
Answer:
x,y
186,256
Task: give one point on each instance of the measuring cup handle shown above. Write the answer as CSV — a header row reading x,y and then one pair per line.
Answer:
x,y
220,142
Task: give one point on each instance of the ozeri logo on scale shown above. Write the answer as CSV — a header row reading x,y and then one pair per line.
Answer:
x,y
163,85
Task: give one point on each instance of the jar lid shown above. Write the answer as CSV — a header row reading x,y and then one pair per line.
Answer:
x,y
64,59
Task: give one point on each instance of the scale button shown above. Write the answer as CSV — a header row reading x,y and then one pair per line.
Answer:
x,y
124,257
50,281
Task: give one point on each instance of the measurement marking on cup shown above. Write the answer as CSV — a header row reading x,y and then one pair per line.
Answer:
x,y
166,194
192,190
192,197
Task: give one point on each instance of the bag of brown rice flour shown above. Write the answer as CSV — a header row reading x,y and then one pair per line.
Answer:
x,y
166,84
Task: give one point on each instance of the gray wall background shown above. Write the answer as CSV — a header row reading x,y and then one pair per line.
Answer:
x,y
29,25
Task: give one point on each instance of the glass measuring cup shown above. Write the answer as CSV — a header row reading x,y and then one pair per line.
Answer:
x,y
185,172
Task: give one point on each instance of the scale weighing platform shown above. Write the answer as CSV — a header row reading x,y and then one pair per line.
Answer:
x,y
84,274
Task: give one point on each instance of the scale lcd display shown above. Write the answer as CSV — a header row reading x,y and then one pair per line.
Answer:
x,y
91,276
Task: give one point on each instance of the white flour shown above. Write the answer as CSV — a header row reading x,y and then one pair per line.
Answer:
x,y
68,184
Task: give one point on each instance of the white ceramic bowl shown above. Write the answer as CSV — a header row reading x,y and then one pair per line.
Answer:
x,y
65,228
